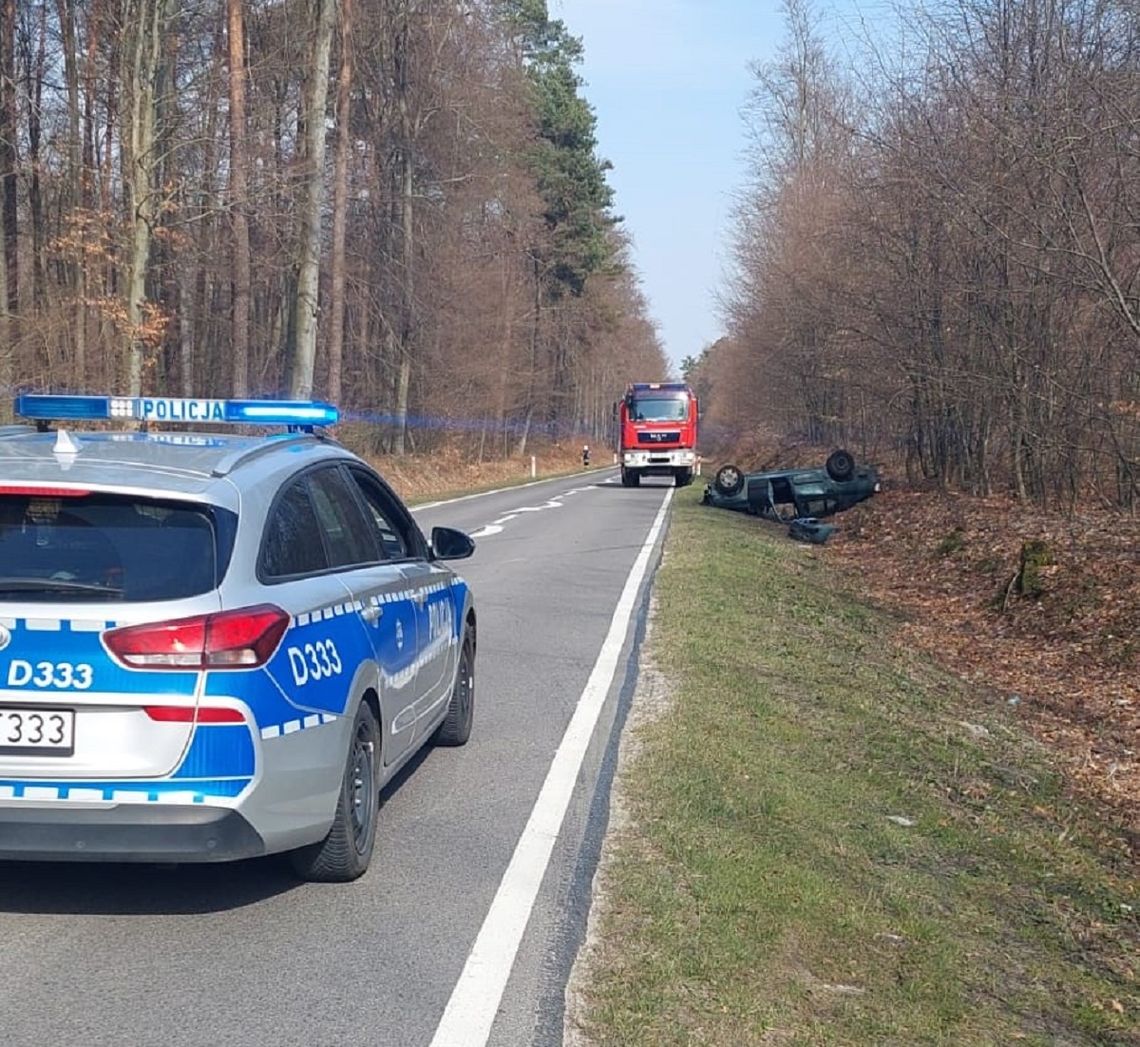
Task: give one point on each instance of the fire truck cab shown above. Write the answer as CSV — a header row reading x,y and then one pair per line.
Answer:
x,y
657,432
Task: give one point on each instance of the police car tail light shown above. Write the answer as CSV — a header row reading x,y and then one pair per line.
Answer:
x,y
241,639
192,714
245,638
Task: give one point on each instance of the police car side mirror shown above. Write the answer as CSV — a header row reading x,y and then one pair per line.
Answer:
x,y
449,544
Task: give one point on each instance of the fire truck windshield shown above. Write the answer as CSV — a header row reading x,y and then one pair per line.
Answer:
x,y
660,409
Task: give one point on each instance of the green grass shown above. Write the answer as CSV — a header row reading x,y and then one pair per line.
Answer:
x,y
761,893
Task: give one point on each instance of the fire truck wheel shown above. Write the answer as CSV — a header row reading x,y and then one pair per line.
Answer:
x,y
683,477
630,478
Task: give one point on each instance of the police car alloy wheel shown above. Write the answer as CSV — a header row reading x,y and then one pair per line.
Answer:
x,y
344,854
456,727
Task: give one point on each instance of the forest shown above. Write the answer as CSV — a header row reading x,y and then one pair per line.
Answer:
x,y
397,205
937,256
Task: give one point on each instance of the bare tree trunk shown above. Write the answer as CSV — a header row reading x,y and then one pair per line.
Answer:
x,y
407,226
534,334
8,137
72,195
309,238
187,284
35,68
340,204
5,330
140,169
198,324
404,343
504,350
239,199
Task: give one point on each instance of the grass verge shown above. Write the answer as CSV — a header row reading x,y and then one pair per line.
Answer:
x,y
831,842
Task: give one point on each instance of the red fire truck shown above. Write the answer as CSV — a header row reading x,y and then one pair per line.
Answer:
x,y
657,432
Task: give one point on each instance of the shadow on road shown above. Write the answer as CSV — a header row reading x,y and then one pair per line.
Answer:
x,y
649,483
147,889
90,888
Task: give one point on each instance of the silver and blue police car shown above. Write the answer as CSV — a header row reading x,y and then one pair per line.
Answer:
x,y
214,646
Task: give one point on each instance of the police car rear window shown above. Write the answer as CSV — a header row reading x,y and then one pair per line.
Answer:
x,y
63,546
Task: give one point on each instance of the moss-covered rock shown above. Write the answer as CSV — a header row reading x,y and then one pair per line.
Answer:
x,y
1035,555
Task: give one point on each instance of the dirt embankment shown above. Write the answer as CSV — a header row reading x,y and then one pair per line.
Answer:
x,y
1043,608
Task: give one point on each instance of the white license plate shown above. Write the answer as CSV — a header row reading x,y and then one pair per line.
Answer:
x,y
37,732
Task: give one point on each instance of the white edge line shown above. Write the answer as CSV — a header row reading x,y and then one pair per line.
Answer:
x,y
474,1002
514,487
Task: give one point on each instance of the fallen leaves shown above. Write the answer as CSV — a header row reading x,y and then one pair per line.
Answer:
x,y
1068,660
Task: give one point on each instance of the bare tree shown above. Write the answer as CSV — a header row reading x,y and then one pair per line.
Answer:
x,y
306,305
142,166
239,201
338,275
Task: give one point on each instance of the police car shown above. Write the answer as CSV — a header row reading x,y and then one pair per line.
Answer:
x,y
213,646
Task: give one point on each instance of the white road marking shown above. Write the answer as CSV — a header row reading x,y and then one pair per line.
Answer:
x,y
496,526
500,490
475,1000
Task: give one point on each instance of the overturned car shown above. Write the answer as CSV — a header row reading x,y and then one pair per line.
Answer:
x,y
794,493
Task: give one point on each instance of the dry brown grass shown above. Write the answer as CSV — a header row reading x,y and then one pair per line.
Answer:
x,y
452,471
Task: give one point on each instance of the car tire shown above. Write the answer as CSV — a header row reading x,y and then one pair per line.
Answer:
x,y
456,726
840,465
344,854
728,480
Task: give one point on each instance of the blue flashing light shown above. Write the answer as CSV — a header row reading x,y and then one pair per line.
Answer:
x,y
49,407
62,408
281,412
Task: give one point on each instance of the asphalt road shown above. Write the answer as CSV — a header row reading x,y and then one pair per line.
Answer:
x,y
242,954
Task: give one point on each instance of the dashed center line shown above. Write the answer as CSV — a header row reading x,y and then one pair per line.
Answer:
x,y
496,526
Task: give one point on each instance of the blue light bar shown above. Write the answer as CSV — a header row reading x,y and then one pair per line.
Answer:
x,y
658,387
48,407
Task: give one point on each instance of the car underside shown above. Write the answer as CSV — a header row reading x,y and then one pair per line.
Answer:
x,y
787,494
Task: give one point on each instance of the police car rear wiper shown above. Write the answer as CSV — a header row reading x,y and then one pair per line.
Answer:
x,y
55,585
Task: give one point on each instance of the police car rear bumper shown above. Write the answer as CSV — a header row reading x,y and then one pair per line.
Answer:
x,y
128,834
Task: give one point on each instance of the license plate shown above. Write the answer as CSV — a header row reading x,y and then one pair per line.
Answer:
x,y
37,732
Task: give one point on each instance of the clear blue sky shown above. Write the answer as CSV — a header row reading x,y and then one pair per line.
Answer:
x,y
667,79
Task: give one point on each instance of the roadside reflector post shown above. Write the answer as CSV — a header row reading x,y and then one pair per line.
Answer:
x,y
533,467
